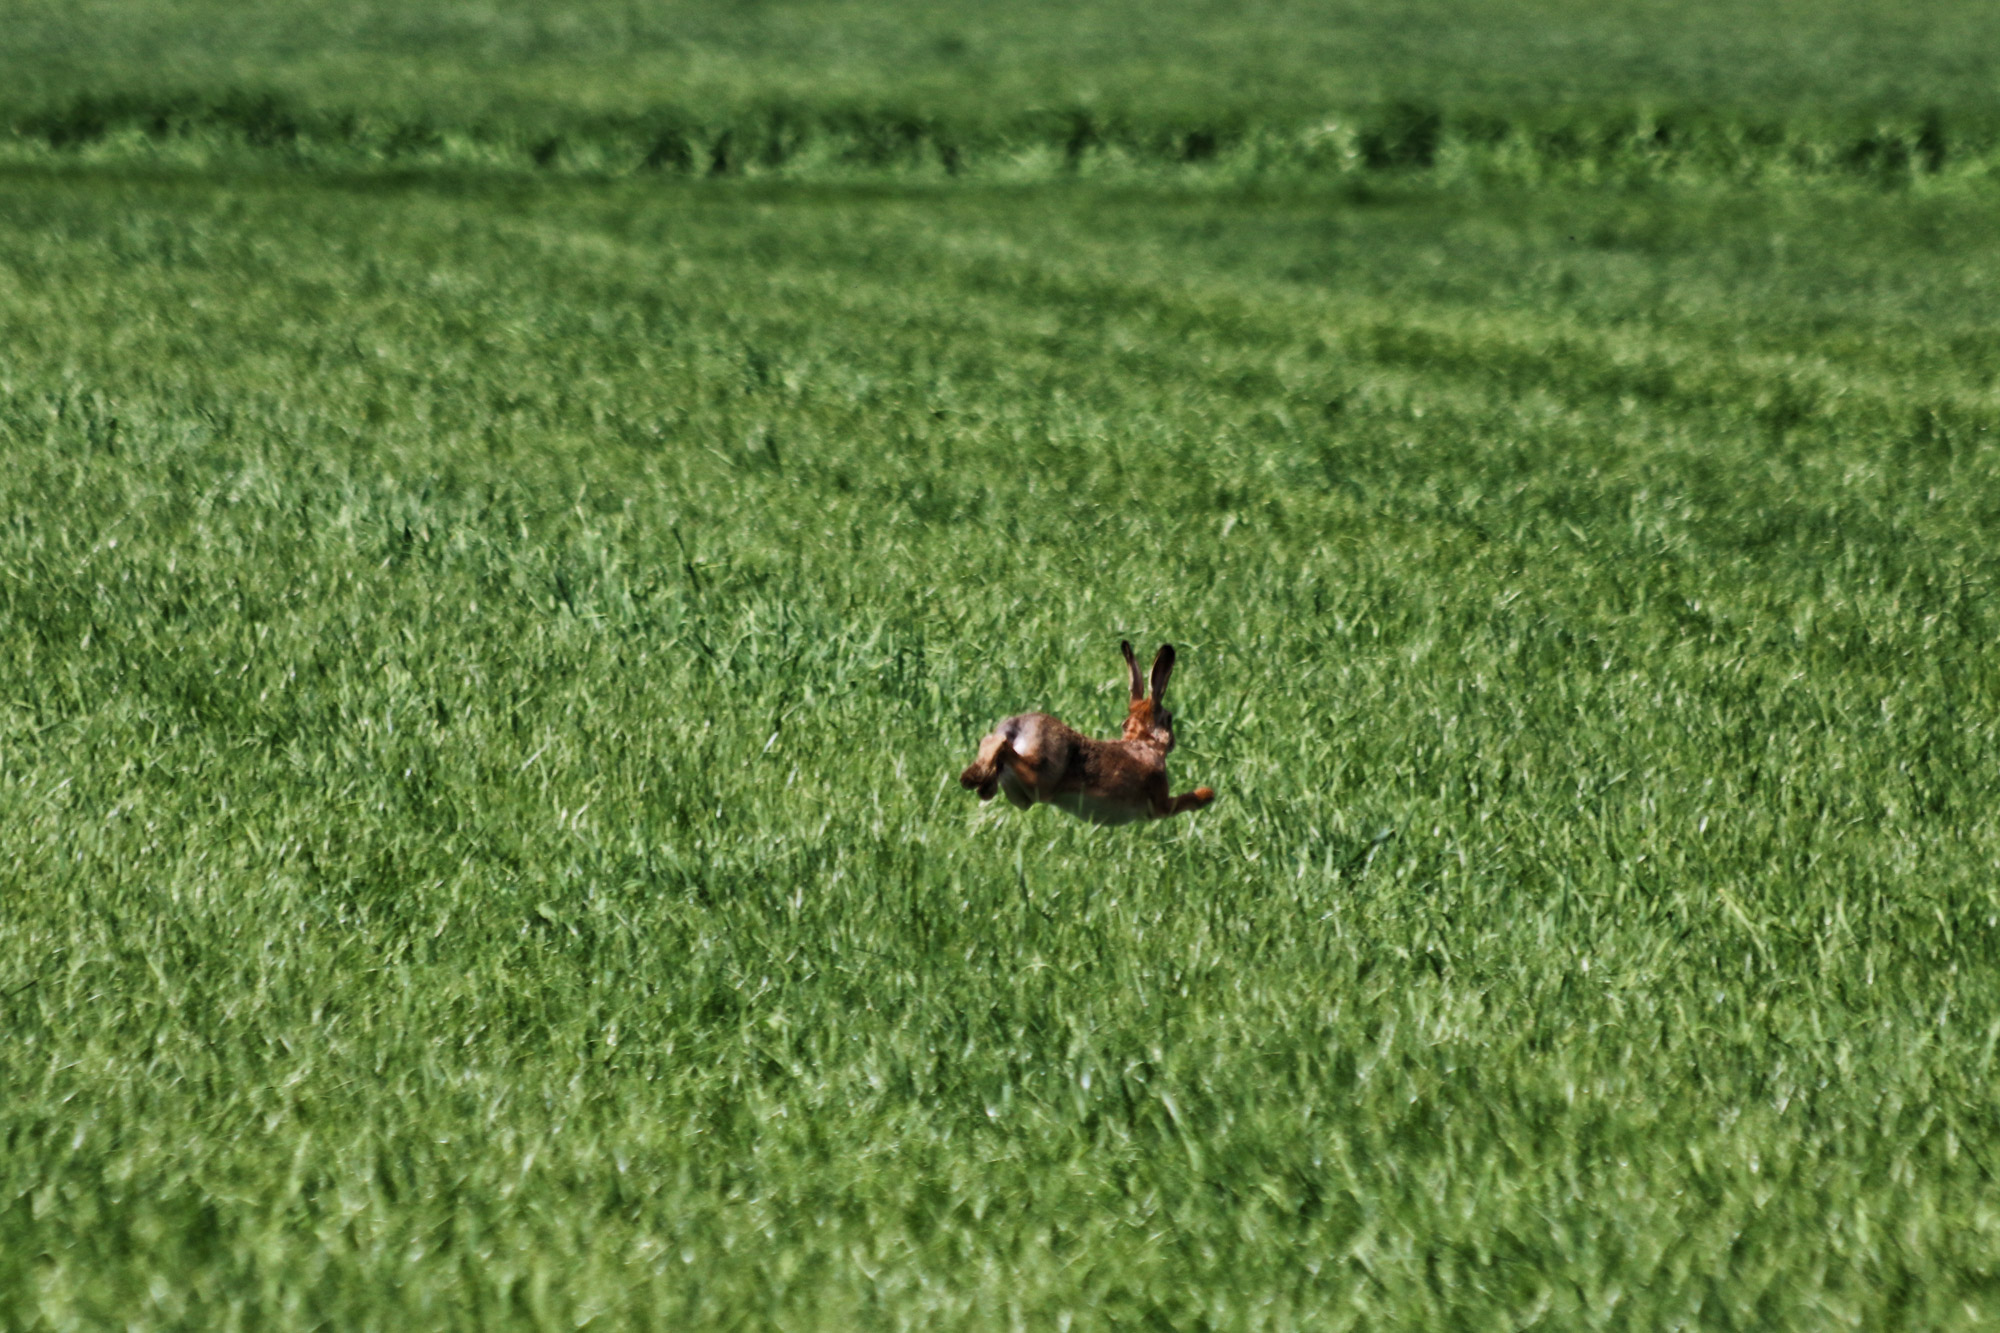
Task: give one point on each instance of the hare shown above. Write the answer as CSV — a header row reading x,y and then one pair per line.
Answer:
x,y
1033,757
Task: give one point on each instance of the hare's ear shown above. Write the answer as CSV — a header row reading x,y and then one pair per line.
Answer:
x,y
1163,666
1132,665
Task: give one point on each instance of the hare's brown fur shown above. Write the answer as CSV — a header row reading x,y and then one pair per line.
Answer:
x,y
1035,758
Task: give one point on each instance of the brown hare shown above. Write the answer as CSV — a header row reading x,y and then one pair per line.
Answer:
x,y
1033,757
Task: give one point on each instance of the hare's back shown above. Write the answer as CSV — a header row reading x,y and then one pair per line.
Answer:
x,y
1038,738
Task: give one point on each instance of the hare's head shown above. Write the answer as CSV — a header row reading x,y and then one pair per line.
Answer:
x,y
1149,719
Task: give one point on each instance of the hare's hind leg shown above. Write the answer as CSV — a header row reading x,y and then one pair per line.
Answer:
x,y
1024,760
983,773
1010,761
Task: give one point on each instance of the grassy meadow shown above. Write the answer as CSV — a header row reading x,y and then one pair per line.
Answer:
x,y
487,645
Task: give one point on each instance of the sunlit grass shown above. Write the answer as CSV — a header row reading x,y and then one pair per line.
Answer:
x,y
485,667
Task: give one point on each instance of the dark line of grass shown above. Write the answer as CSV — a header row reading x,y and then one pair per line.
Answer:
x,y
1398,137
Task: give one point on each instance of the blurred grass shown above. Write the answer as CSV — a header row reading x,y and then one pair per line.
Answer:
x,y
1282,56
1509,86
485,663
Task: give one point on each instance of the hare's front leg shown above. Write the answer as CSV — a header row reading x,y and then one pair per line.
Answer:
x,y
1165,806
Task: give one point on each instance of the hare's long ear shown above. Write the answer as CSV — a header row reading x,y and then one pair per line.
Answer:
x,y
1163,666
1132,665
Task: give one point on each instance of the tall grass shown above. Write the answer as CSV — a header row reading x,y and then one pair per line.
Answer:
x,y
484,665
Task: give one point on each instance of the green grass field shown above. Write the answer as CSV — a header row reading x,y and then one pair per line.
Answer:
x,y
486,650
